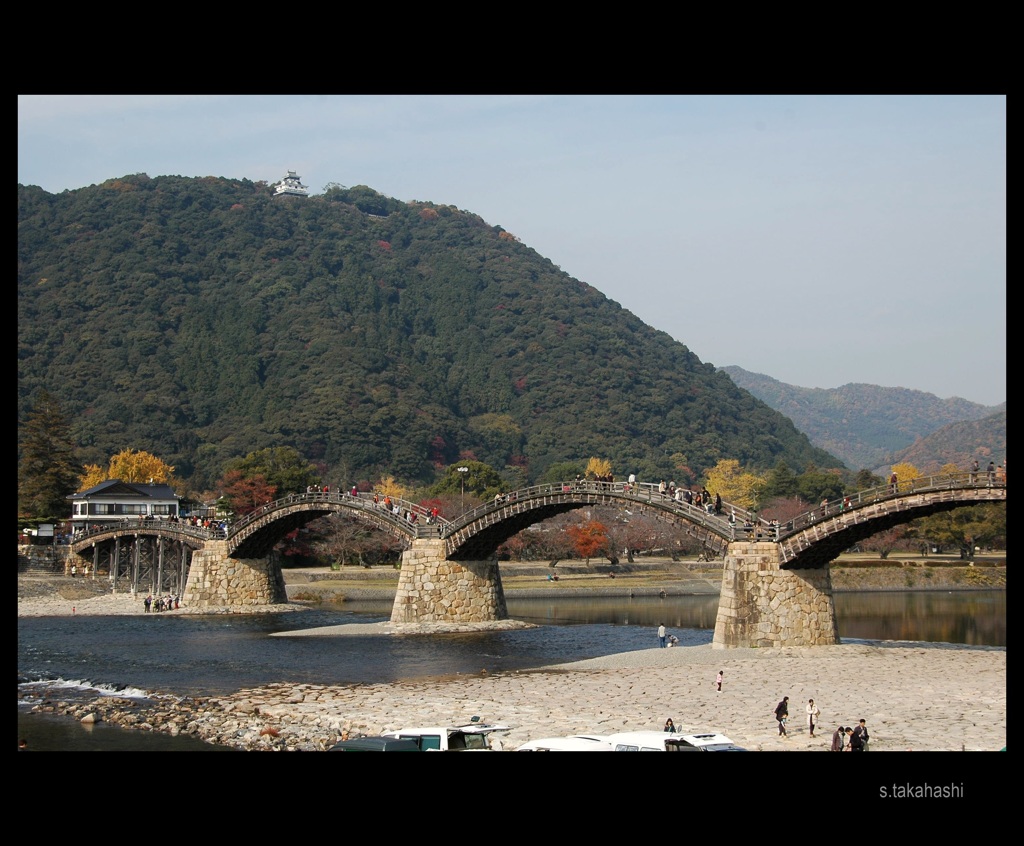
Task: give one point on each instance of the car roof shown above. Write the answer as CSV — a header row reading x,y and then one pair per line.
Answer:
x,y
473,728
707,741
573,743
375,744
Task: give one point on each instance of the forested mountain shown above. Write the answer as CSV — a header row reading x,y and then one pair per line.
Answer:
x,y
203,319
958,443
864,425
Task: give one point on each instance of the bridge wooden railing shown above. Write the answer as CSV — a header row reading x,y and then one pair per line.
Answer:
x,y
400,508
149,525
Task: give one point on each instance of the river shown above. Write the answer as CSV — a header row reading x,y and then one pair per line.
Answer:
x,y
86,656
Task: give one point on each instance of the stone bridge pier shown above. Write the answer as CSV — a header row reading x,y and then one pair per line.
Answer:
x,y
764,605
432,589
216,580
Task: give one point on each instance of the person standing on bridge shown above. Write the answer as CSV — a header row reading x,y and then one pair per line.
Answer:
x,y
975,469
991,473
893,485
718,504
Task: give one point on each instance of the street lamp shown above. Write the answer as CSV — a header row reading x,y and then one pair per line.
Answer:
x,y
462,475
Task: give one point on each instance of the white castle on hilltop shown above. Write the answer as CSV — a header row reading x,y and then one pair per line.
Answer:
x,y
291,186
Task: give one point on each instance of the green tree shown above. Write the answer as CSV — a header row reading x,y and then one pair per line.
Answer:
x,y
280,467
815,485
479,479
780,483
562,471
47,471
866,480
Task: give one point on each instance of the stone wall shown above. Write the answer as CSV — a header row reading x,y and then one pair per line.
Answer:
x,y
42,558
764,605
216,580
432,589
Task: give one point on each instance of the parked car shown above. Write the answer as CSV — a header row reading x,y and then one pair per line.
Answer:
x,y
475,736
375,744
572,743
660,741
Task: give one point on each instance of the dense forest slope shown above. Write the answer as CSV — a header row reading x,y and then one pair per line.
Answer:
x,y
202,319
866,425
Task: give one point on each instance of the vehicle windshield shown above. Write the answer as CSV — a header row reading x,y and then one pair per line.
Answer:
x,y
461,740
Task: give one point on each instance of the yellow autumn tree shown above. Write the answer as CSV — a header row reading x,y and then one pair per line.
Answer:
x,y
387,486
129,466
598,467
728,481
905,474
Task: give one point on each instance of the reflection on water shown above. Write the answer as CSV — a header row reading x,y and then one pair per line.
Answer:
x,y
975,618
968,617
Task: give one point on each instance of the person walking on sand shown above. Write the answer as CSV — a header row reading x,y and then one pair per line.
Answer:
x,y
782,714
661,635
718,680
837,739
813,712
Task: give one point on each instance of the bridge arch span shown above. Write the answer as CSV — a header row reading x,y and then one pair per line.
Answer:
x,y
478,533
817,544
255,535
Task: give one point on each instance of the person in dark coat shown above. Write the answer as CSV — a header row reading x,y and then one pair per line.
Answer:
x,y
853,741
782,714
837,739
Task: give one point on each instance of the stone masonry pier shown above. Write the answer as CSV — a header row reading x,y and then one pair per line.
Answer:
x,y
432,589
764,605
216,580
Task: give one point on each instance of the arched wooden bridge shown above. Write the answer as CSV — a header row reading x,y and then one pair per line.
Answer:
x,y
810,541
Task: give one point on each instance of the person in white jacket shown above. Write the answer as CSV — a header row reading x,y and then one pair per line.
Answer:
x,y
812,716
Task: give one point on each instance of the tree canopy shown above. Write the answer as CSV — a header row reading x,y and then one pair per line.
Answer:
x,y
47,470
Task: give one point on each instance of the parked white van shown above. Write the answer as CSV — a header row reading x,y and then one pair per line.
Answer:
x,y
573,743
663,741
476,736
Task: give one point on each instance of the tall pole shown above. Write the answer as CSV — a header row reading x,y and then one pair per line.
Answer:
x,y
462,475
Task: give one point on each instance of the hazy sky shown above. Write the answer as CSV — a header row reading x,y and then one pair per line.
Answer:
x,y
817,239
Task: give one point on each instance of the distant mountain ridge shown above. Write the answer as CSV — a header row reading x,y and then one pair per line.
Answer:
x,y
868,426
